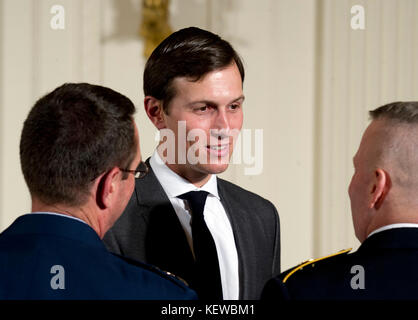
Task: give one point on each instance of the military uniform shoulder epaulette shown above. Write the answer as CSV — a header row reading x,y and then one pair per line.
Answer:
x,y
165,274
311,262
172,276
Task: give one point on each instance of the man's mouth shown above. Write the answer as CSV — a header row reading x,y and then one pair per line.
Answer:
x,y
218,150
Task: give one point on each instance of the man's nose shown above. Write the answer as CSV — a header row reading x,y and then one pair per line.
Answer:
x,y
222,120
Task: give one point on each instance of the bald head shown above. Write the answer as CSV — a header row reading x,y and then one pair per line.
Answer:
x,y
393,143
384,186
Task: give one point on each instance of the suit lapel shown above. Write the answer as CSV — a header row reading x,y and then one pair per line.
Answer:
x,y
235,217
166,244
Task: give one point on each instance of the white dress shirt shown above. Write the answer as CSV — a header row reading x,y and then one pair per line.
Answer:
x,y
215,217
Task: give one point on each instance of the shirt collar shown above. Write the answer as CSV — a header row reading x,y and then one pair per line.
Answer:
x,y
173,184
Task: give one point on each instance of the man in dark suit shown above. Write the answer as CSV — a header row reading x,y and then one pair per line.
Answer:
x,y
79,149
384,205
223,240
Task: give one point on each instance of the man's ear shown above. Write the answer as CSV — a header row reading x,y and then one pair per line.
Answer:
x,y
107,188
154,110
380,189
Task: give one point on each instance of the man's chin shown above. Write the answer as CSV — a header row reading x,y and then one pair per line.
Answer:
x,y
214,168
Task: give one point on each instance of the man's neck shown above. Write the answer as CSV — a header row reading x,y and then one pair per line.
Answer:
x,y
386,218
195,177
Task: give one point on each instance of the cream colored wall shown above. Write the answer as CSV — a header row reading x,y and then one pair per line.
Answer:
x,y
310,80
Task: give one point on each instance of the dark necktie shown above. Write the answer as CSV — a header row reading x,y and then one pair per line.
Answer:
x,y
207,279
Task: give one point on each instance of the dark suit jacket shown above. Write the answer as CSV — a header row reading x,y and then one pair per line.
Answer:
x,y
389,260
150,231
35,243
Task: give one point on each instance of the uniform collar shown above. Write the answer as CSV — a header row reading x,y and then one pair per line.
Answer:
x,y
55,225
399,237
173,184
394,226
59,214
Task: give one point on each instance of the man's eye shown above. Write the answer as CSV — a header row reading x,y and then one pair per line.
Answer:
x,y
234,106
201,109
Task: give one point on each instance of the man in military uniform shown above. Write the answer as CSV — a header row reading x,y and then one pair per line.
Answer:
x,y
79,151
384,204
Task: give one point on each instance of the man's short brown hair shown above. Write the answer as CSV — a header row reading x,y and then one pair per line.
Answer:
x,y
71,136
190,53
406,112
